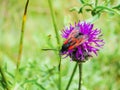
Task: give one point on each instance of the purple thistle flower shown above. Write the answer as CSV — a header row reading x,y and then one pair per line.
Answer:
x,y
81,41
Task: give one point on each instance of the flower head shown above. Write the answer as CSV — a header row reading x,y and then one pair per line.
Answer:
x,y
81,41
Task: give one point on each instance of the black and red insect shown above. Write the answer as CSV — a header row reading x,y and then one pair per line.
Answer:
x,y
74,39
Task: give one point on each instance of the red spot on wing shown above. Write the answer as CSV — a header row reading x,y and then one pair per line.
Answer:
x,y
71,47
77,43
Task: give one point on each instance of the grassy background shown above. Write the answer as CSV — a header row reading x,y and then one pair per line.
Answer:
x,y
39,69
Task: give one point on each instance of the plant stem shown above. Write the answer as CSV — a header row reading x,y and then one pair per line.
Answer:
x,y
75,67
22,35
59,67
107,8
80,75
4,81
96,2
57,39
54,22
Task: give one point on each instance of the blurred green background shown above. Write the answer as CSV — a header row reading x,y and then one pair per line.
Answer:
x,y
38,68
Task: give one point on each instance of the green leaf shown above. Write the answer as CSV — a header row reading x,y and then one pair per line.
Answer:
x,y
117,7
88,10
74,9
80,10
82,1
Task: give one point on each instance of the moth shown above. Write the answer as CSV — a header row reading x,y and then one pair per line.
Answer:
x,y
74,39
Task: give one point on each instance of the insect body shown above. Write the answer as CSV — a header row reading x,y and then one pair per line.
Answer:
x,y
74,39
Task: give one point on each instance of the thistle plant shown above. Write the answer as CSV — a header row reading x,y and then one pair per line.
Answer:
x,y
81,41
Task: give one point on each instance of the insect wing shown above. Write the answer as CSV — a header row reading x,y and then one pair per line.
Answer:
x,y
74,33
74,39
